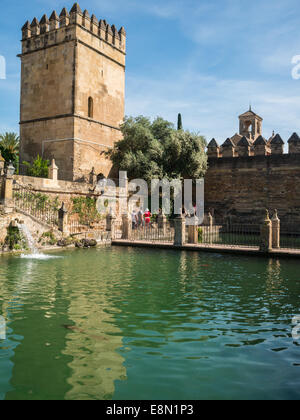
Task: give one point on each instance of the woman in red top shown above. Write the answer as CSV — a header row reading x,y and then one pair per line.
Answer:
x,y
147,216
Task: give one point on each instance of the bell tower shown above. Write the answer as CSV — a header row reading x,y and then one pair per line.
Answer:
x,y
250,125
72,91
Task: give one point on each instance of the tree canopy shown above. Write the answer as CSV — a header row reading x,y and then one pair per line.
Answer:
x,y
9,147
157,150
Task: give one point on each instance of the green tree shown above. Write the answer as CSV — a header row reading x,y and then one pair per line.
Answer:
x,y
156,150
39,168
179,122
9,147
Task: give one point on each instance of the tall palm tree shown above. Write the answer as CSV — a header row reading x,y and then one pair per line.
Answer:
x,y
10,142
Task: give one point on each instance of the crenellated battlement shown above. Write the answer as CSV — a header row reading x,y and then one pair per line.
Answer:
x,y
250,142
60,28
260,147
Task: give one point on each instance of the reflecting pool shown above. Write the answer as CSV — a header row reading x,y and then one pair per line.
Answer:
x,y
122,323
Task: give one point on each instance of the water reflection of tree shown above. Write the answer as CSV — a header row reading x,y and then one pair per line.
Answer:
x,y
202,296
163,300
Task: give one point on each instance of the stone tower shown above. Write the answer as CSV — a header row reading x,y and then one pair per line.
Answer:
x,y
250,125
72,91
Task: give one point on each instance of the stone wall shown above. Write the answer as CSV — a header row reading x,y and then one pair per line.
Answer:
x,y
67,190
242,188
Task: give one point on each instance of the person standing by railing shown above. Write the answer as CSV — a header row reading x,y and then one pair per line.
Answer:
x,y
140,219
147,217
134,220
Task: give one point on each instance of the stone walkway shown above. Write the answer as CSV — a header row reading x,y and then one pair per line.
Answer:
x,y
224,249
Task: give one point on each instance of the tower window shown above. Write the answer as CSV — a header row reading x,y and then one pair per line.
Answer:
x,y
90,107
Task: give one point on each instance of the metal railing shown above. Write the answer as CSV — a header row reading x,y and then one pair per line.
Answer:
x,y
35,204
226,235
290,237
117,230
230,234
76,228
153,233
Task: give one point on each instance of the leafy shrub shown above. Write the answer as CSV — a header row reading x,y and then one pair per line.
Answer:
x,y
13,238
86,209
39,168
48,238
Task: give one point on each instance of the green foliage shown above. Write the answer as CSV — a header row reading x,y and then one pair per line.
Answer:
x,y
9,148
156,150
55,204
13,238
86,209
48,238
39,168
38,201
179,122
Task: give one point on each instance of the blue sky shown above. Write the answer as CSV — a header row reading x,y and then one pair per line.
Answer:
x,y
206,59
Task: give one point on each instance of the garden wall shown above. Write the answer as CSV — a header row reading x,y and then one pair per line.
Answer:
x,y
242,188
66,191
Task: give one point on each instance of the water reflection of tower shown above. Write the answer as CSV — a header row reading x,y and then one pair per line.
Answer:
x,y
92,342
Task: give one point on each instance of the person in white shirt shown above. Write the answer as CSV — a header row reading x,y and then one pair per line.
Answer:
x,y
134,219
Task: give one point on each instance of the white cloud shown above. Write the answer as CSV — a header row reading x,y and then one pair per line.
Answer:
x,y
212,105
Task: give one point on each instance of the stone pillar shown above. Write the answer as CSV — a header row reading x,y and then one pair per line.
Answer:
x,y
8,189
53,171
162,223
126,226
266,234
210,227
193,232
179,231
110,224
113,227
63,220
275,231
123,192
210,220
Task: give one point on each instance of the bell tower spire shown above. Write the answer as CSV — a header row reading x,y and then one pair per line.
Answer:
x,y
250,125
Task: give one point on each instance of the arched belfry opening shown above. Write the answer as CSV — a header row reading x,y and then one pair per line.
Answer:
x,y
250,125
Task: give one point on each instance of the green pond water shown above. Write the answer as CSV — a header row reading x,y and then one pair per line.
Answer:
x,y
118,323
